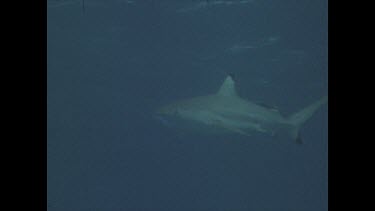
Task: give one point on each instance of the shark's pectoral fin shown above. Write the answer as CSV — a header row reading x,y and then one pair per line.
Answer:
x,y
233,129
236,130
260,129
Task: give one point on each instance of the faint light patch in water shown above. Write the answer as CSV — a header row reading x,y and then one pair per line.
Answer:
x,y
163,120
241,48
290,55
204,4
86,3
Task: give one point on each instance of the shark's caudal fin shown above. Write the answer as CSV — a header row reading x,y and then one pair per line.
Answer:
x,y
299,118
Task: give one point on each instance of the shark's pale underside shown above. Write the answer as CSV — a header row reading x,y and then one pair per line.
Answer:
x,y
225,111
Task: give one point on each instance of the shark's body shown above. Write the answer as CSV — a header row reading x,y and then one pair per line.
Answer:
x,y
226,111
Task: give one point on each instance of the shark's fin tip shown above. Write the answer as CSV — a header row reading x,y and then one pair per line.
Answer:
x,y
228,87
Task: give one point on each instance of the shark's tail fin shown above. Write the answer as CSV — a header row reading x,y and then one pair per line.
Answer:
x,y
299,118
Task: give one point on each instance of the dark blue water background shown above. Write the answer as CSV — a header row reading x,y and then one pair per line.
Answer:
x,y
111,63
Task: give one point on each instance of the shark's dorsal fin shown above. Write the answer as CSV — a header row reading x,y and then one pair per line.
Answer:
x,y
228,87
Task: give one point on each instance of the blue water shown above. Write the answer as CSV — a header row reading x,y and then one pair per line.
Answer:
x,y
111,63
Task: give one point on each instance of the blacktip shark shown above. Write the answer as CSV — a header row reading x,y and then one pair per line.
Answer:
x,y
225,111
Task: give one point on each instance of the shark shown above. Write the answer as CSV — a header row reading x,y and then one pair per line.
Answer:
x,y
226,111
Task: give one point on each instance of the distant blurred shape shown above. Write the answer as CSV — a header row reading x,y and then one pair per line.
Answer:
x,y
246,46
270,40
241,48
85,3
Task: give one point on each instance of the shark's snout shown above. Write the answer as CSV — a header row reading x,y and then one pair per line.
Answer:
x,y
163,119
166,111
167,115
